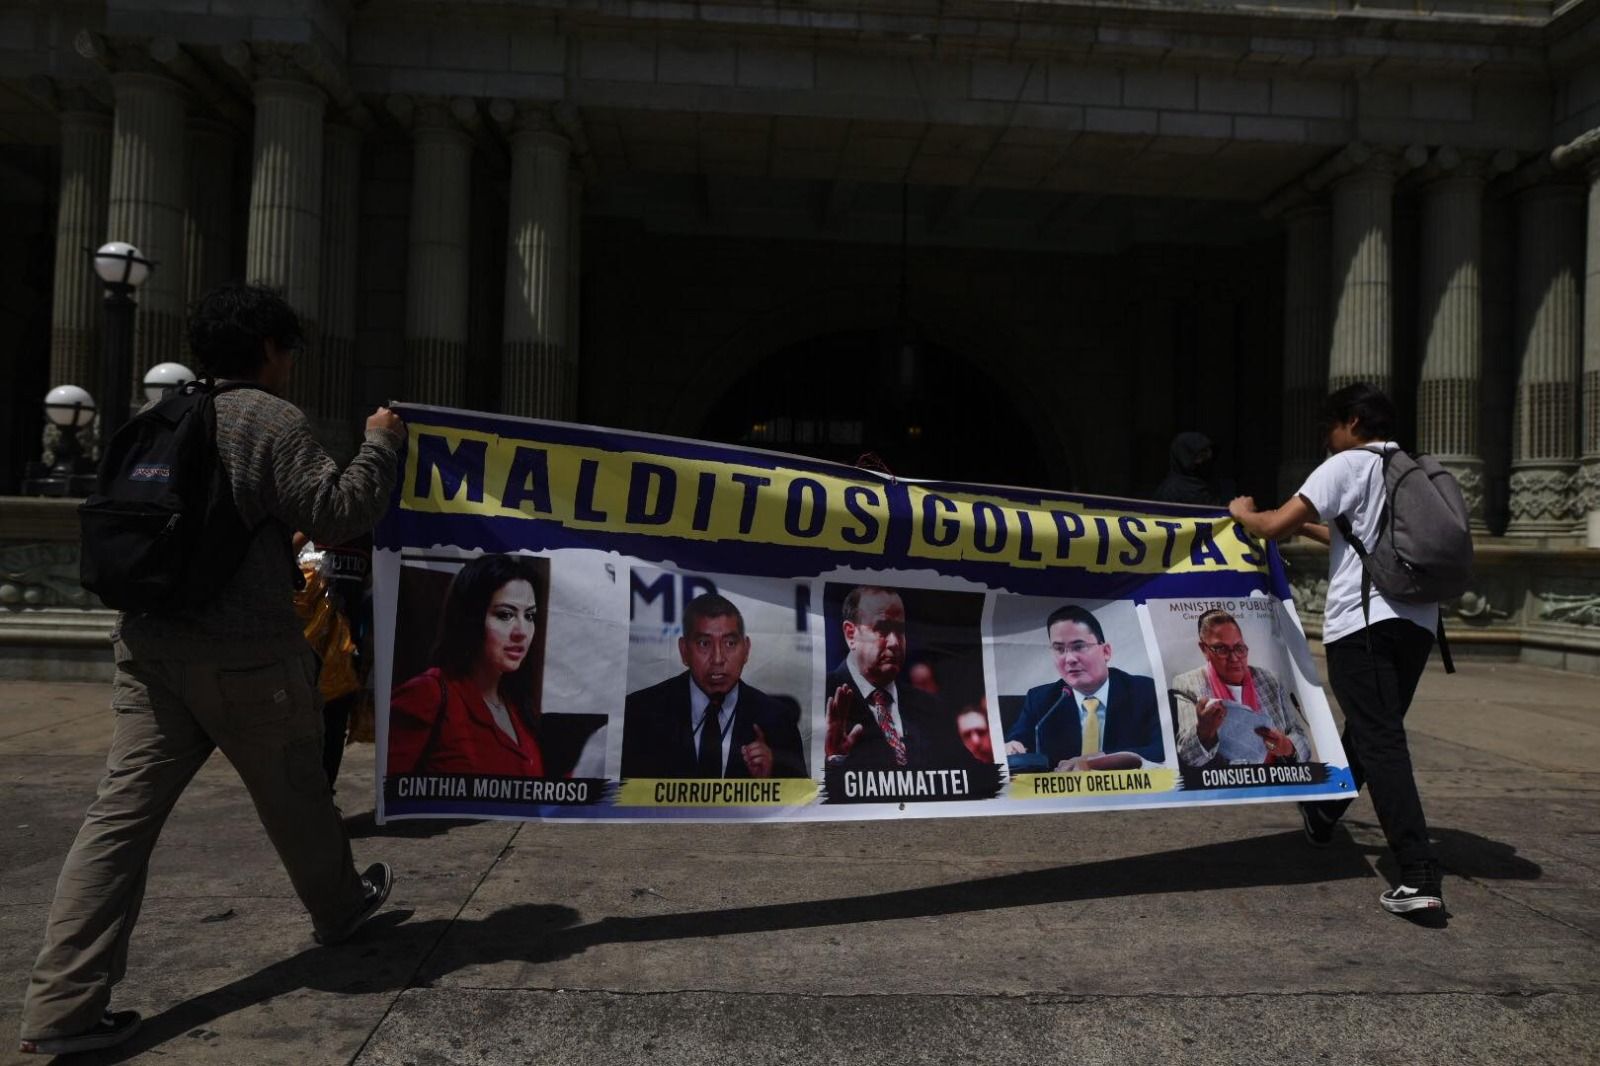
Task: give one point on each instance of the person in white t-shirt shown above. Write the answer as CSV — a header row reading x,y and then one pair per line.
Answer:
x,y
1376,657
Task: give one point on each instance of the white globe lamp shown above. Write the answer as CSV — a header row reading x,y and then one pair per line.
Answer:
x,y
69,406
161,379
120,263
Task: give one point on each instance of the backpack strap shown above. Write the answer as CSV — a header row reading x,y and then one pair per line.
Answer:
x,y
1444,646
1361,553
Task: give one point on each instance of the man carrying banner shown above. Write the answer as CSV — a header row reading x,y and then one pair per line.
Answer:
x,y
1096,717
1376,655
707,722
873,721
1226,675
234,673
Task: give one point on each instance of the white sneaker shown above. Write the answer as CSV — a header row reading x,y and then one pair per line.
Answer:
x,y
1418,890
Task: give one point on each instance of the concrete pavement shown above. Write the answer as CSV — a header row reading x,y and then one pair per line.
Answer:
x,y
1204,936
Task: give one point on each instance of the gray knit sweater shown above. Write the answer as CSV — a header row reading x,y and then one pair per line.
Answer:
x,y
281,474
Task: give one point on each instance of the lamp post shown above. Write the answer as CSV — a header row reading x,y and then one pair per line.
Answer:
x,y
123,270
69,409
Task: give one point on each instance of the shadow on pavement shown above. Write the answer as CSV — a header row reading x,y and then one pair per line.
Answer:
x,y
364,826
1470,855
1460,854
392,953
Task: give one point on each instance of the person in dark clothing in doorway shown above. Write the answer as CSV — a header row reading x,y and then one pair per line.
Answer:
x,y
1189,478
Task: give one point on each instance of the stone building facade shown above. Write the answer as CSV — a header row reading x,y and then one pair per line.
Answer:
x,y
1009,242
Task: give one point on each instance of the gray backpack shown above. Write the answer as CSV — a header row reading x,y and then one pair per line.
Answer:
x,y
1422,551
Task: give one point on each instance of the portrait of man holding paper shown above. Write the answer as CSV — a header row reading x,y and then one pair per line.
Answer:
x,y
1229,712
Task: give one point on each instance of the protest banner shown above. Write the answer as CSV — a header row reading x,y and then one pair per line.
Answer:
x,y
580,623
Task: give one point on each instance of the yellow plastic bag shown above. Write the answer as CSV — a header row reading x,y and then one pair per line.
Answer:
x,y
328,634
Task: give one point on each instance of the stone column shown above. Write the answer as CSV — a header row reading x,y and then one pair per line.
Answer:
x,y
1544,438
145,208
284,249
1362,345
536,371
1497,397
80,223
1450,325
1305,342
341,212
574,291
208,210
436,283
1589,474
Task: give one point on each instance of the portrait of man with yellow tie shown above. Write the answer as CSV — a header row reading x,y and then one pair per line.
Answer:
x,y
1095,716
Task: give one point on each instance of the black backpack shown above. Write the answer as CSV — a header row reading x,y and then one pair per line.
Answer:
x,y
160,531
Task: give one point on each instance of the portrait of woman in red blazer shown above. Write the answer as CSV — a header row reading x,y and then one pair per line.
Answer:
x,y
474,711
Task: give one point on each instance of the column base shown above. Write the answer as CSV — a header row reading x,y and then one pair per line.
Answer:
x,y
1468,471
1542,499
1586,497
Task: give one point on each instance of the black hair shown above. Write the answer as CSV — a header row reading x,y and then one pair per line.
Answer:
x,y
710,605
461,625
1373,411
1215,617
851,611
228,325
1073,613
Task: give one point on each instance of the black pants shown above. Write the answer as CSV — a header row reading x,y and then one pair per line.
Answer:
x,y
1375,689
335,722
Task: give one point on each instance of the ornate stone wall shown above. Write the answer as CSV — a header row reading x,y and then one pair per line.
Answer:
x,y
1538,606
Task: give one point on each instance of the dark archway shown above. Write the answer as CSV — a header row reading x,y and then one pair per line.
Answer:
x,y
926,411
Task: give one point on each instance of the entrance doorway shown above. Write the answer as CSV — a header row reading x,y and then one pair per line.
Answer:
x,y
924,410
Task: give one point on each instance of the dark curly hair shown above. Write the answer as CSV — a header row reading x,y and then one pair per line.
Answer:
x,y
228,325
461,625
1374,412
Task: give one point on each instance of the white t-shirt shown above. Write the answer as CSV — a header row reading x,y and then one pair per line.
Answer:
x,y
1351,484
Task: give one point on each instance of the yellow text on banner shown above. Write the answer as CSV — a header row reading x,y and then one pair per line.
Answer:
x,y
952,526
467,472
1092,783
716,792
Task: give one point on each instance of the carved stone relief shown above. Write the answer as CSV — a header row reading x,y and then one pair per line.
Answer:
x,y
41,575
1571,608
1541,496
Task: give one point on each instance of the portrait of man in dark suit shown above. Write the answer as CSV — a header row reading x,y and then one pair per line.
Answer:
x,y
876,721
1095,717
706,721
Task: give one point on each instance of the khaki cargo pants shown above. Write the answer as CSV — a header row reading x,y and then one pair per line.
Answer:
x,y
170,716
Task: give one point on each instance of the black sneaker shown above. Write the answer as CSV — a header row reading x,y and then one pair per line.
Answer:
x,y
376,881
112,1029
1419,890
1318,826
